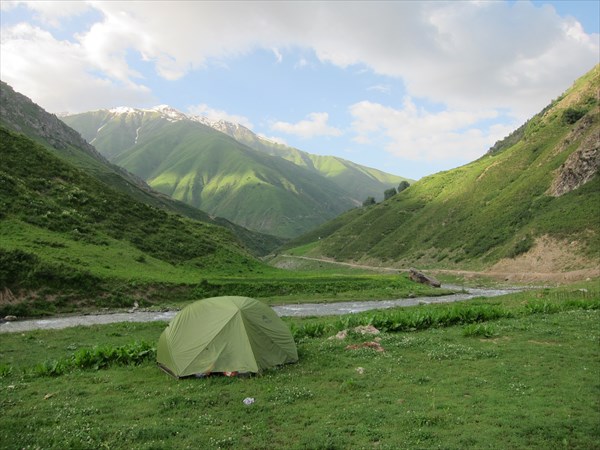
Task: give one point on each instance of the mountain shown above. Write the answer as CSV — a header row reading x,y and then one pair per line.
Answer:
x,y
192,160
68,238
532,203
20,114
359,181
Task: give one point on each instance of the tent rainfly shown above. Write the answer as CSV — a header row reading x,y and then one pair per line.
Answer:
x,y
225,334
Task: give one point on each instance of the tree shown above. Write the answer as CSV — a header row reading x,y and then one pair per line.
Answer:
x,y
369,201
389,193
403,185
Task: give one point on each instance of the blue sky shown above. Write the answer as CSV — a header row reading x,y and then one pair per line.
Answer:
x,y
407,87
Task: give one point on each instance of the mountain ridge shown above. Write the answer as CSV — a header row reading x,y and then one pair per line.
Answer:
x,y
190,160
245,136
20,114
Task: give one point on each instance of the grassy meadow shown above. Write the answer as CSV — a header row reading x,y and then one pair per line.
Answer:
x,y
519,371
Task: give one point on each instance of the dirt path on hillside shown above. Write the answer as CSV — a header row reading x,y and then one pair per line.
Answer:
x,y
499,272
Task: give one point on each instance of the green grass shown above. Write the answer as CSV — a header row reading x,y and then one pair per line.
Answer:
x,y
533,384
493,208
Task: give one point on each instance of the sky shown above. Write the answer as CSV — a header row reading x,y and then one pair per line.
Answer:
x,y
408,87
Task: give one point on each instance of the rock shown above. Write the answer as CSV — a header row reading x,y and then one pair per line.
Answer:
x,y
581,165
420,277
341,335
366,329
10,318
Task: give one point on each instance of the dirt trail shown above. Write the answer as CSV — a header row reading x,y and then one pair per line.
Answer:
x,y
498,272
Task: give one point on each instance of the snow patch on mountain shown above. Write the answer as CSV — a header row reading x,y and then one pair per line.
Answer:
x,y
123,110
232,129
169,113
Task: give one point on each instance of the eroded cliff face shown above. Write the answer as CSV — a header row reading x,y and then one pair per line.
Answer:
x,y
581,166
20,114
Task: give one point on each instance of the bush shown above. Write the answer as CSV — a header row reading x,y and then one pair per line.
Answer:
x,y
572,115
389,193
16,266
369,201
403,185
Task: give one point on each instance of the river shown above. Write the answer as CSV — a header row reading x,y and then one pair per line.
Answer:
x,y
296,310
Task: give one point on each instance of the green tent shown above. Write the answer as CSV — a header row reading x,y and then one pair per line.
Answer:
x,y
225,334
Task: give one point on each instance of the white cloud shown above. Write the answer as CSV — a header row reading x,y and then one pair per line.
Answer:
x,y
314,125
467,55
276,139
278,55
216,114
50,12
420,135
58,74
381,88
302,63
463,54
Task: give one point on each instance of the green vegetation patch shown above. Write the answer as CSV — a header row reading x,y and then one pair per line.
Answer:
x,y
533,384
493,208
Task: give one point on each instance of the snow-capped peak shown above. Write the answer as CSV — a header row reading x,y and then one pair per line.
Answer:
x,y
122,110
169,113
173,115
202,119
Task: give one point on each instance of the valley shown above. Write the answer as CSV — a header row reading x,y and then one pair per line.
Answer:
x,y
92,232
225,169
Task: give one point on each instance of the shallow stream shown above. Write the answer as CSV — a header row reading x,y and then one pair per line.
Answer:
x,y
296,310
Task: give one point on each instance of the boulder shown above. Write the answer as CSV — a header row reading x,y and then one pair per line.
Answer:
x,y
420,277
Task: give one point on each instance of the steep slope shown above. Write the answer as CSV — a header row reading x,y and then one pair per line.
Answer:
x,y
359,181
540,186
20,114
63,230
205,168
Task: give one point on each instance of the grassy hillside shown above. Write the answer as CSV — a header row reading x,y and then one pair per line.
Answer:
x,y
359,181
20,114
210,170
69,241
64,230
496,207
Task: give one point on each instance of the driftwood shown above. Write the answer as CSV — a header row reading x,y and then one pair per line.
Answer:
x,y
420,277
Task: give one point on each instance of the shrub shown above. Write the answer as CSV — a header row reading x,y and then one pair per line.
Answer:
x,y
389,193
15,266
572,115
369,201
403,185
